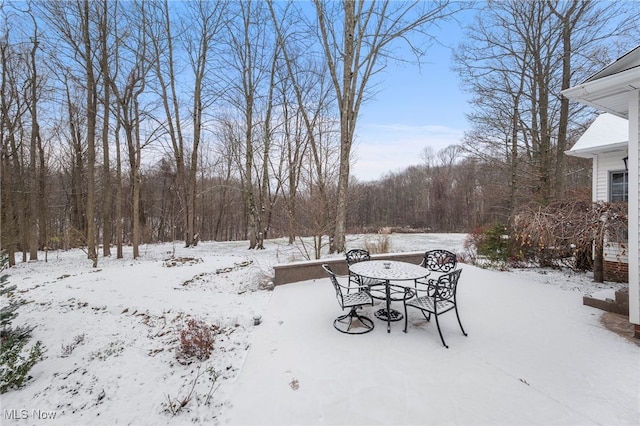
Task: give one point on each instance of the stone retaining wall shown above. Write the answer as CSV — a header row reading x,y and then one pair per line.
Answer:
x,y
286,273
619,306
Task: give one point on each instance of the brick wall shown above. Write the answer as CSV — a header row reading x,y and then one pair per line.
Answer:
x,y
616,271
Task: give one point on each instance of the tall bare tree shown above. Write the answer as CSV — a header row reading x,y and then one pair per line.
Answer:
x,y
516,58
201,24
132,66
34,186
311,96
74,26
205,21
13,113
105,24
357,37
247,76
92,115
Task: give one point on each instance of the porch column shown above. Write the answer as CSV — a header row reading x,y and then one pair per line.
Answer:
x,y
634,211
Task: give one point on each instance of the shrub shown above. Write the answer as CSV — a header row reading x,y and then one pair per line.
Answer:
x,y
196,341
491,244
68,349
380,244
15,361
569,232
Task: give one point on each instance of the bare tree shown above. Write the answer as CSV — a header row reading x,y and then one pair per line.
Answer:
x,y
311,96
201,24
248,74
33,152
132,67
13,113
516,58
355,46
104,25
583,25
92,114
74,26
207,21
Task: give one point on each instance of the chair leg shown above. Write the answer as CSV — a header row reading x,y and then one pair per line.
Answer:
x,y
459,322
405,318
440,332
366,322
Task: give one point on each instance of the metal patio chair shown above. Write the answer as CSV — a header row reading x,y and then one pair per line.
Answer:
x,y
439,260
374,287
354,299
437,296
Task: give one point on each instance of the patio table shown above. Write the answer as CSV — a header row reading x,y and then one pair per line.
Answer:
x,y
403,274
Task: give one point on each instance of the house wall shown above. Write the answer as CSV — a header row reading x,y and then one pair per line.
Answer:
x,y
616,271
607,162
614,252
634,210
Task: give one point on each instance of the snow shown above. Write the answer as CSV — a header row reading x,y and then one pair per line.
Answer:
x,y
607,132
606,295
534,353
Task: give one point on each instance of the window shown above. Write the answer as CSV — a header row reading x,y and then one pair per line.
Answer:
x,y
619,186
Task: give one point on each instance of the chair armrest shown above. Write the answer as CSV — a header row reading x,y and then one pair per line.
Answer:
x,y
407,292
427,287
353,287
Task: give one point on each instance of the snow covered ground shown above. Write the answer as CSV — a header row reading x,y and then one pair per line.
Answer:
x,y
534,354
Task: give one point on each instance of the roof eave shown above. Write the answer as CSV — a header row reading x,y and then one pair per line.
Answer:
x,y
594,92
602,149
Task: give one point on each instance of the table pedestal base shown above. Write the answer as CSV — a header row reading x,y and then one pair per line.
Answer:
x,y
388,315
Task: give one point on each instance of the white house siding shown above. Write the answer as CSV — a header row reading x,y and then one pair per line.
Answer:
x,y
634,210
616,89
614,252
603,165
607,162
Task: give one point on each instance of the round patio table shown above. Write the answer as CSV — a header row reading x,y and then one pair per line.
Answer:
x,y
403,274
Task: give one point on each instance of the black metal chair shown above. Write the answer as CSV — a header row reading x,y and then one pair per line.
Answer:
x,y
354,300
436,297
439,261
374,287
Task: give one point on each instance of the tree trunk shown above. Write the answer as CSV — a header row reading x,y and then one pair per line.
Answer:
x,y
569,19
106,169
91,135
33,172
119,242
347,121
598,259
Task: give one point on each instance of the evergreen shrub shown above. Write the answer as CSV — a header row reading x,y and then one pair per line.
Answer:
x,y
15,359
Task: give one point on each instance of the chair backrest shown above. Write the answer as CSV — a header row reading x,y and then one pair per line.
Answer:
x,y
439,260
334,281
447,285
357,255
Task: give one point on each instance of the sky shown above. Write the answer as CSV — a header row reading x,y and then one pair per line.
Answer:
x,y
534,354
413,109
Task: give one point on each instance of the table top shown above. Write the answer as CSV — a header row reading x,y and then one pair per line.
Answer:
x,y
389,270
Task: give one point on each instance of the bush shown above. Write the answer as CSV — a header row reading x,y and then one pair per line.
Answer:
x,y
196,341
15,361
491,244
569,232
381,243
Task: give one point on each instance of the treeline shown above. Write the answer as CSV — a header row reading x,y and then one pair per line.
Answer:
x,y
451,192
140,121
